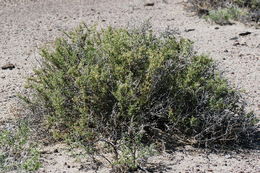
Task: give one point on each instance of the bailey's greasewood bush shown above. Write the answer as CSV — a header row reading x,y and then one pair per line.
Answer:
x,y
131,87
223,11
224,16
213,4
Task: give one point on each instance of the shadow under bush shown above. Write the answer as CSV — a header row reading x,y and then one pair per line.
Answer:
x,y
130,85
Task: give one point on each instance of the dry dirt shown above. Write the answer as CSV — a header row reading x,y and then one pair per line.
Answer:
x,y
27,25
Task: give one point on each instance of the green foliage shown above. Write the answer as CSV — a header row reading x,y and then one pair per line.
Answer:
x,y
251,4
222,11
225,15
16,151
133,152
112,85
213,4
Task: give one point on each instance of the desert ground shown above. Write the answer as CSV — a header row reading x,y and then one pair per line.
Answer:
x,y
28,25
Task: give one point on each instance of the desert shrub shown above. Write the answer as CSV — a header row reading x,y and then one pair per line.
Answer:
x,y
130,87
251,4
222,11
208,4
223,16
214,4
17,151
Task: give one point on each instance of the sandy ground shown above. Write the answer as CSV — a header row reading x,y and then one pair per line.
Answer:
x,y
27,25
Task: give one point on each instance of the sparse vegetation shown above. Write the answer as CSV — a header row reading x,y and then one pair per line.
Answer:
x,y
17,151
224,16
251,4
222,11
121,90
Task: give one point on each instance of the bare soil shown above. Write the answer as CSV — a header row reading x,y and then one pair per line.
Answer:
x,y
27,25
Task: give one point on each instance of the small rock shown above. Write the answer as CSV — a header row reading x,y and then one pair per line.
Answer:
x,y
149,4
236,44
240,44
170,19
56,150
234,38
44,152
244,44
189,30
216,28
225,51
81,168
244,33
228,156
224,58
9,66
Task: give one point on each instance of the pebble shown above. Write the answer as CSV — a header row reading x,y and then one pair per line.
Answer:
x,y
228,156
189,30
244,33
149,4
233,38
9,66
236,44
